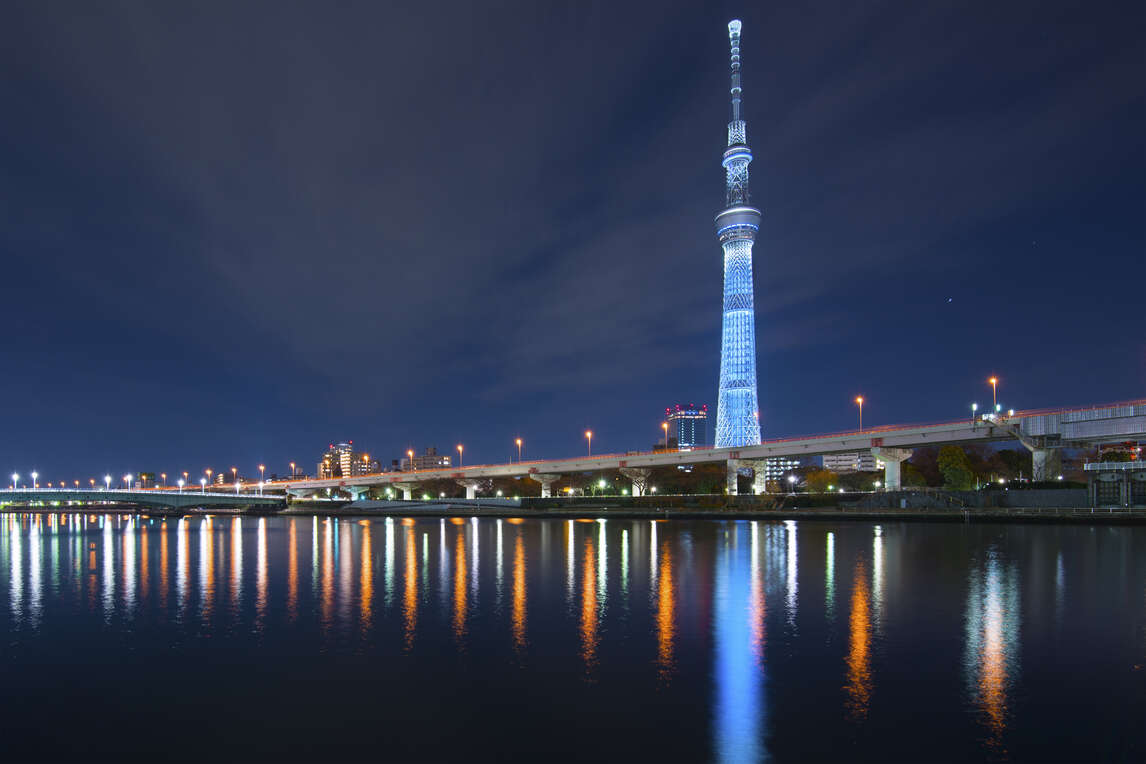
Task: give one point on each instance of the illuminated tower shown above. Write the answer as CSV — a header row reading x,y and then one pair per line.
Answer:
x,y
737,413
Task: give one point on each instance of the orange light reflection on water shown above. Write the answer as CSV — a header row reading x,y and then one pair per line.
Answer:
x,y
410,593
518,612
859,684
459,586
666,616
589,637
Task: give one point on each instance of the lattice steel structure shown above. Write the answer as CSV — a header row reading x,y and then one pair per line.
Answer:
x,y
737,412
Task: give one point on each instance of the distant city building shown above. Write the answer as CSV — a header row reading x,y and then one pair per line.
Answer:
x,y
430,459
854,461
779,468
342,461
688,426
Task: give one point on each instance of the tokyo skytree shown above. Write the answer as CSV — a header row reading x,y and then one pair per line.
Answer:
x,y
737,412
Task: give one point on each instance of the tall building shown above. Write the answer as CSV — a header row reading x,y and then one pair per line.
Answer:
x,y
778,468
687,425
341,460
737,411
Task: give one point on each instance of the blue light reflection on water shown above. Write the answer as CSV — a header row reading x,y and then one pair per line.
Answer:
x,y
720,647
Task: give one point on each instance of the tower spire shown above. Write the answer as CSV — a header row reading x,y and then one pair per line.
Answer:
x,y
737,415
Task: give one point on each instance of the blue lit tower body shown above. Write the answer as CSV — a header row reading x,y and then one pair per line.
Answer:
x,y
737,413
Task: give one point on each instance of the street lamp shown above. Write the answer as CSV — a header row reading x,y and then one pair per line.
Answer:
x,y
292,469
163,477
589,437
180,481
184,476
791,484
15,479
34,476
202,485
460,454
237,485
107,482
974,408
127,481
92,482
665,427
262,469
410,455
859,402
235,473
208,471
994,383
518,442
260,488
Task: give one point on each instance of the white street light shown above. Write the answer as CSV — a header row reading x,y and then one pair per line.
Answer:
x,y
107,482
127,481
15,479
180,482
202,485
34,476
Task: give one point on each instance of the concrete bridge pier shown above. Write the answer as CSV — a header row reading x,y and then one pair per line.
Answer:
x,y
759,477
1046,463
730,476
640,478
471,487
547,482
356,491
407,490
892,459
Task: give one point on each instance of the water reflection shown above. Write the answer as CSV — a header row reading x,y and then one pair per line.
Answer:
x,y
588,608
519,592
697,616
859,677
991,657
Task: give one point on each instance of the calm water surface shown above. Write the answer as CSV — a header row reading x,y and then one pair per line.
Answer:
x,y
320,638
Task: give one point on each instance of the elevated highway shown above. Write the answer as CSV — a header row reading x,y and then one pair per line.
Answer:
x,y
158,499
1042,431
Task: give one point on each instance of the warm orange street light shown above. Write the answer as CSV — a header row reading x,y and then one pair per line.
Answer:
x,y
589,437
163,476
410,453
994,383
208,471
665,427
234,473
859,402
262,469
292,469
93,482
184,476
518,442
459,454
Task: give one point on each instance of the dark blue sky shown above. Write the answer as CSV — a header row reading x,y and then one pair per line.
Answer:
x,y
235,232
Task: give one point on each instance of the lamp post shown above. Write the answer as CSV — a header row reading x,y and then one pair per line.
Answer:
x,y
460,449
202,485
292,469
518,442
994,383
235,474
127,481
163,478
410,456
180,481
262,469
92,483
859,402
974,408
15,479
208,471
107,482
34,476
589,437
665,427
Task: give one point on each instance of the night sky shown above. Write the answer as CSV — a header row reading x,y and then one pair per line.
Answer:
x,y
233,233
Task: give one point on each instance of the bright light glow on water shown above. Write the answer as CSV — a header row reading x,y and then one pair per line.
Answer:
x,y
576,632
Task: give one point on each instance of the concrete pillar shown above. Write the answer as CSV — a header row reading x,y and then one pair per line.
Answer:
x,y
730,476
759,478
356,491
892,459
640,478
547,482
471,487
407,490
1044,463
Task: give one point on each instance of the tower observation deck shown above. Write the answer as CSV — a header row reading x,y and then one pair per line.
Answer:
x,y
737,410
